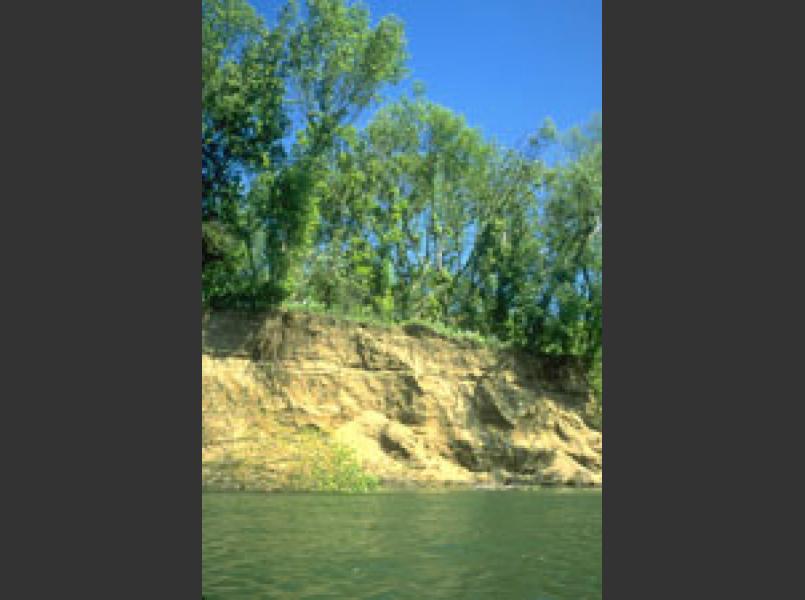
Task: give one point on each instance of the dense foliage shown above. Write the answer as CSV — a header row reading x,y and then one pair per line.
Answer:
x,y
414,217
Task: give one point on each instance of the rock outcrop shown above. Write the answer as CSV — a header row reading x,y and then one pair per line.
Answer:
x,y
416,407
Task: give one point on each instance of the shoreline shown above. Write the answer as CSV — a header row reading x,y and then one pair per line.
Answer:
x,y
410,487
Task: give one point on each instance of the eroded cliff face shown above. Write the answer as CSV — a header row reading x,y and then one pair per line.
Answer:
x,y
415,407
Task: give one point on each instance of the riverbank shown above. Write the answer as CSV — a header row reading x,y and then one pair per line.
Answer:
x,y
295,401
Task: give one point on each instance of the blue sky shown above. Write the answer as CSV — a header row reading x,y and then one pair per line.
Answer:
x,y
504,64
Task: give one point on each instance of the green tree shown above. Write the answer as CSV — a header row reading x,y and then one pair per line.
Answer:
x,y
430,165
567,316
261,190
242,125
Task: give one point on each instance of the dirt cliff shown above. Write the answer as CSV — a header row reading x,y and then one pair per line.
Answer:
x,y
414,406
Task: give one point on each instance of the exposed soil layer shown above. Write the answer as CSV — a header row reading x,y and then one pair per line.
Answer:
x,y
417,408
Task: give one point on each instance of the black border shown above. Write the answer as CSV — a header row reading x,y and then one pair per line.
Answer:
x,y
102,299
699,366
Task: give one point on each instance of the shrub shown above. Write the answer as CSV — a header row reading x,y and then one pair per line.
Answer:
x,y
323,465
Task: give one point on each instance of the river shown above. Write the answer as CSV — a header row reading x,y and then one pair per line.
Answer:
x,y
492,545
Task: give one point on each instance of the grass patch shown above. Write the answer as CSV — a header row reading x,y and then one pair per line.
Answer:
x,y
454,334
280,458
437,329
325,466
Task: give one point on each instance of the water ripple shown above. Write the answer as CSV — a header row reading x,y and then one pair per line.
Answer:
x,y
543,545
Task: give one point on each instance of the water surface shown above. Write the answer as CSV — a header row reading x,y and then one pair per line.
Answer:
x,y
494,545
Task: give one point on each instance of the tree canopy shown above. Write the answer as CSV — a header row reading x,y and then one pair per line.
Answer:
x,y
415,216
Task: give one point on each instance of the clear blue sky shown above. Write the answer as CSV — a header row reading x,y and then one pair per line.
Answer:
x,y
504,64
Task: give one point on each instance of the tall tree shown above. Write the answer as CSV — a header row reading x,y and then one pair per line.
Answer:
x,y
566,316
260,190
242,125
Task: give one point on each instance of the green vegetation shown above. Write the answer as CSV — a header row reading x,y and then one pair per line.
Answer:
x,y
283,458
414,218
325,466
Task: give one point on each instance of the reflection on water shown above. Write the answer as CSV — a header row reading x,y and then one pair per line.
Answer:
x,y
498,545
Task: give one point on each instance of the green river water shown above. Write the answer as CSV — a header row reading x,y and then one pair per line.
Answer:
x,y
495,545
